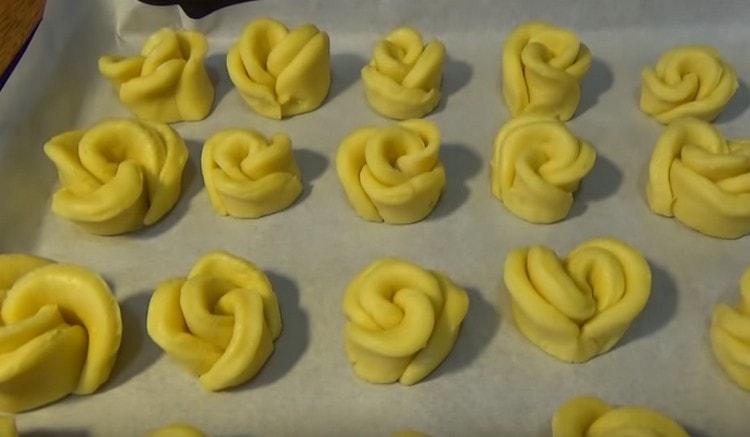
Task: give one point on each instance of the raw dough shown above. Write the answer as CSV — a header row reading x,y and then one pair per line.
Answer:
x,y
219,323
588,416
8,427
702,179
394,173
688,81
730,336
403,78
247,175
579,307
168,81
402,321
542,68
117,176
280,72
60,330
537,166
177,430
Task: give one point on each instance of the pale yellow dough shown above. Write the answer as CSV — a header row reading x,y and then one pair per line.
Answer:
x,y
280,72
392,174
177,430
117,176
688,81
542,68
249,176
168,81
702,179
403,79
588,416
402,321
537,166
60,330
730,336
219,323
578,307
8,427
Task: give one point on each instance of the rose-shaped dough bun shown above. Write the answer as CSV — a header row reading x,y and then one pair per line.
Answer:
x,y
579,307
392,174
248,176
587,416
403,78
689,81
168,81
117,176
402,321
730,336
542,68
8,427
177,430
537,166
60,330
702,179
280,72
219,323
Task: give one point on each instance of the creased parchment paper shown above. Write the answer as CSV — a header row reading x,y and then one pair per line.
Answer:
x,y
495,382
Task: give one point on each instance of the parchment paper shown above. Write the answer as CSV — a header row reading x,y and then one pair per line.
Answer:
x,y
495,382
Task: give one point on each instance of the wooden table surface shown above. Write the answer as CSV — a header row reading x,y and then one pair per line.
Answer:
x,y
18,19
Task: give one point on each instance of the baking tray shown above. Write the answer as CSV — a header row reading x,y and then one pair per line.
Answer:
x,y
495,382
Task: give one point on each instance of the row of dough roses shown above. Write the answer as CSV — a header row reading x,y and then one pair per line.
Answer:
x,y
578,417
281,72
60,326
123,174
278,72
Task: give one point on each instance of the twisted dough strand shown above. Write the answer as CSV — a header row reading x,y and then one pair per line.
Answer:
x,y
730,336
219,323
702,179
247,175
280,72
588,416
403,79
402,321
117,176
577,308
537,166
392,174
687,81
542,67
168,81
60,330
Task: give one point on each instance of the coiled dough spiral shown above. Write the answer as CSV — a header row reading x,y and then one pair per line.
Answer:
x,y
219,323
117,176
403,79
537,166
402,321
542,68
587,416
730,336
687,81
702,179
279,72
168,81
579,307
392,174
247,175
60,330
